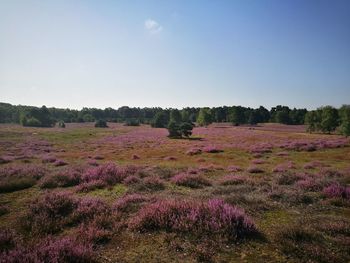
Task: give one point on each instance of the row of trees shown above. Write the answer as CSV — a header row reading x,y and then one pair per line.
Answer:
x,y
327,119
158,117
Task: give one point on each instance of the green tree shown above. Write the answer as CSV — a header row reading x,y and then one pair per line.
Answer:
x,y
175,116
101,124
186,129
344,113
160,120
313,120
174,129
204,117
237,115
329,119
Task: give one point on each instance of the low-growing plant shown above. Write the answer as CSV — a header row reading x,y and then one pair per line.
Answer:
x,y
190,180
49,213
200,218
127,202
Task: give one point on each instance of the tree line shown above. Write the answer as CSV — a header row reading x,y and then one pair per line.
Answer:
x,y
324,119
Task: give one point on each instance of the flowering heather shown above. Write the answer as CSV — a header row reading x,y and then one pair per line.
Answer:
x,y
89,207
52,251
212,217
27,170
313,145
124,203
109,173
232,180
336,190
5,159
284,167
48,158
93,234
131,179
282,154
261,148
60,163
234,168
212,149
92,162
135,157
194,151
64,178
152,183
170,158
258,161
310,184
314,164
8,240
50,212
90,186
254,170
190,180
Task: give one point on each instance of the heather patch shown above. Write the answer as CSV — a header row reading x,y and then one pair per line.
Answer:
x,y
190,180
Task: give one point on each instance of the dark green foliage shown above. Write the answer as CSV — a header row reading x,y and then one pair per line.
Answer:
x,y
175,116
132,122
16,184
101,124
37,117
344,113
204,117
186,129
174,130
313,120
61,124
237,115
329,119
160,120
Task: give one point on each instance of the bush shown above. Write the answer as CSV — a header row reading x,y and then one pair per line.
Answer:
x,y
52,251
190,180
61,124
232,180
127,202
8,240
152,183
90,186
101,124
108,173
132,122
16,184
254,170
336,190
200,218
50,212
89,207
66,178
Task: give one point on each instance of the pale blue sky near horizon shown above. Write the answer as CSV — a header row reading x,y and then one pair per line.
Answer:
x,y
181,53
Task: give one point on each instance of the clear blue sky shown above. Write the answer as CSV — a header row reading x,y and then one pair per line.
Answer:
x,y
175,53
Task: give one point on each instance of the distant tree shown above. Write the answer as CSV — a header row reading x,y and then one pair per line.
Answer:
x,y
313,120
204,117
132,122
237,115
186,129
329,119
344,112
253,117
101,124
174,129
282,117
37,117
175,115
61,124
185,116
160,120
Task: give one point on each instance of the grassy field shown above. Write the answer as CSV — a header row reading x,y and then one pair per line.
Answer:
x,y
270,193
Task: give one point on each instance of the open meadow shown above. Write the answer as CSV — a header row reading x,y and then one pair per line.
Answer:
x,y
265,193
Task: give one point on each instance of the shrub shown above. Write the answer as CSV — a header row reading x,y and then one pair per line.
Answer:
x,y
309,184
50,212
126,202
258,161
287,178
3,209
194,151
66,178
212,149
60,163
132,179
61,124
16,184
48,159
232,180
132,122
335,190
234,168
101,124
255,170
52,251
190,180
108,173
89,207
152,183
8,240
200,218
90,186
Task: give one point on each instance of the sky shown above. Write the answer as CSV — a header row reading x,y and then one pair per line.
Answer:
x,y
75,54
